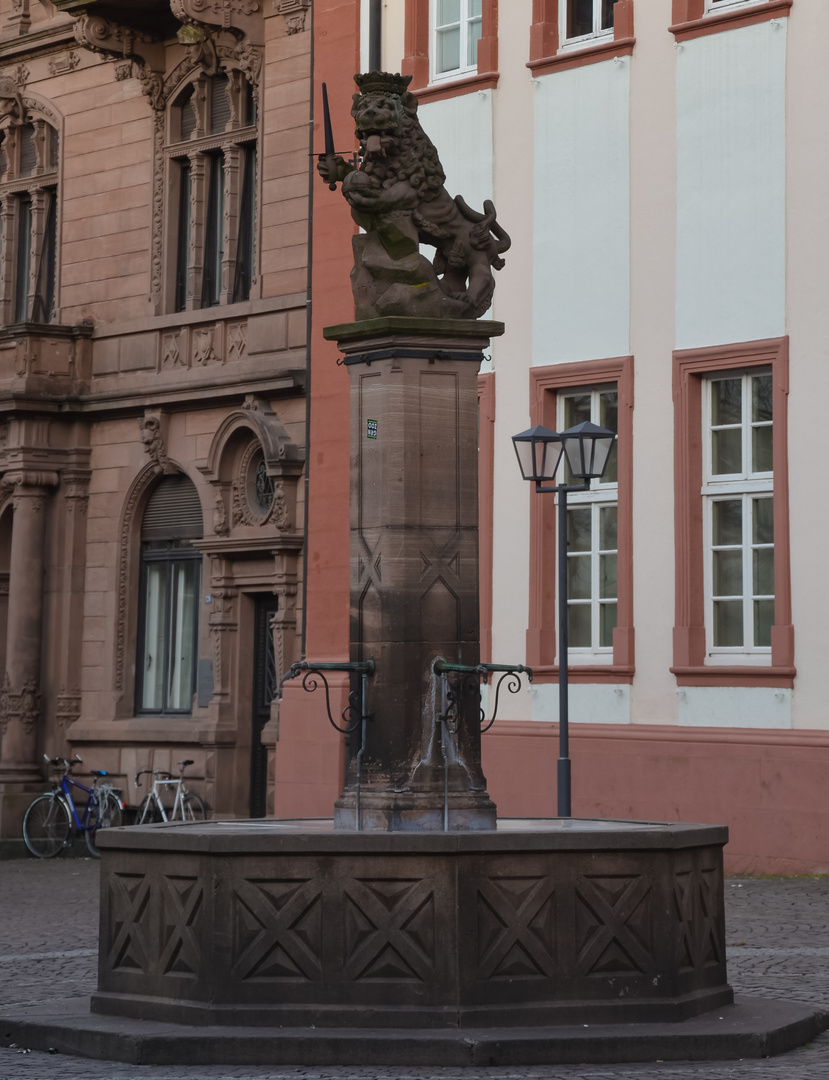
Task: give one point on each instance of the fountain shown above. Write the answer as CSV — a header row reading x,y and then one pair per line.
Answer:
x,y
414,926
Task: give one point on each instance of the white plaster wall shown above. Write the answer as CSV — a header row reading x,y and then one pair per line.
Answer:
x,y
581,265
513,104
589,703
393,20
731,159
734,706
461,129
807,215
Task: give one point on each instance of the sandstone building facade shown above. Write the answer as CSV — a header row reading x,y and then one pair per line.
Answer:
x,y
153,293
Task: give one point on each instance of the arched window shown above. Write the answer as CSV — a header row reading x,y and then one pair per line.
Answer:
x,y
169,598
211,152
28,220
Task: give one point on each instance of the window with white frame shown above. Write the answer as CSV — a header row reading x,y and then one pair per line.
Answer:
x,y
738,515
592,528
456,30
582,20
212,129
28,221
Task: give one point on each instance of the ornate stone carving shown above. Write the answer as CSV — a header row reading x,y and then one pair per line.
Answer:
x,y
107,39
245,484
294,12
153,439
59,65
220,527
249,59
222,621
75,493
123,70
397,196
157,247
204,339
22,706
20,75
68,706
236,341
11,102
241,17
152,86
171,355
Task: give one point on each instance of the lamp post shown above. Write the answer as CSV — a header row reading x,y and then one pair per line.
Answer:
x,y
586,448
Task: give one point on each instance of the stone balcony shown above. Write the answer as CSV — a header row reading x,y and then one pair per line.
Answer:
x,y
46,361
152,17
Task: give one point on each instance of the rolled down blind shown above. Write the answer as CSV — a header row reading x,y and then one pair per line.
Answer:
x,y
173,511
219,104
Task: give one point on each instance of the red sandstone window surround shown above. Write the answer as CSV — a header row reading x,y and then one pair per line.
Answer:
x,y
547,384
692,368
696,18
416,59
549,53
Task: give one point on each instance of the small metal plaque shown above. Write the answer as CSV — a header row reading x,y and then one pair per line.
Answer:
x,y
371,429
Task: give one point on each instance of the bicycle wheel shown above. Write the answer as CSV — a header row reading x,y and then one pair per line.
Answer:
x,y
91,830
148,811
47,826
110,811
194,808
106,814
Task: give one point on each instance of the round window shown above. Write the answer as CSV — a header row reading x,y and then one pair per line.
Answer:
x,y
260,485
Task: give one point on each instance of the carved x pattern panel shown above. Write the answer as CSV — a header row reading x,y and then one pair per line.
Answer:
x,y
389,928
277,930
181,900
614,925
153,924
128,901
516,928
701,930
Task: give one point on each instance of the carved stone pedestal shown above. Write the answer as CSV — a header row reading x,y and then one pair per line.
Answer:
x,y
289,925
414,567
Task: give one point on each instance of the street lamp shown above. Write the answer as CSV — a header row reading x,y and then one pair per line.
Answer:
x,y
586,448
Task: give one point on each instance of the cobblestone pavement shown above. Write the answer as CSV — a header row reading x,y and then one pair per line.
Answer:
x,y
778,938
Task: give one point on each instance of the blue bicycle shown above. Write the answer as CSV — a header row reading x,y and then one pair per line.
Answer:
x,y
52,819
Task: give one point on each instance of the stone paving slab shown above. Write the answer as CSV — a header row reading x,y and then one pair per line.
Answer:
x,y
777,932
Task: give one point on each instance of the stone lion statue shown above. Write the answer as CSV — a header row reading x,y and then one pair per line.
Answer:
x,y
397,196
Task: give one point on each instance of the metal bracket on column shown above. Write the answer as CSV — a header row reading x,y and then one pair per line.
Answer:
x,y
472,678
354,715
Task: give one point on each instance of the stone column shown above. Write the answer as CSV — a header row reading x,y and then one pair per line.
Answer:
x,y
21,693
414,567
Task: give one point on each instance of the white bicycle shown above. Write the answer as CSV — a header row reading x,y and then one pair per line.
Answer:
x,y
186,806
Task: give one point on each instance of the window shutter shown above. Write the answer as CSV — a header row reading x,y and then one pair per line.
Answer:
x,y
188,115
173,511
219,104
28,156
